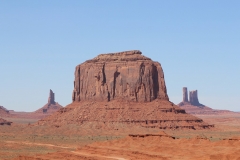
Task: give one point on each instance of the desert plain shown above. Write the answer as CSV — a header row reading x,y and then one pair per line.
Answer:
x,y
120,111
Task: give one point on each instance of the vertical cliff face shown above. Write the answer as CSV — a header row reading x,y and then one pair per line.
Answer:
x,y
193,96
185,94
124,75
51,98
127,77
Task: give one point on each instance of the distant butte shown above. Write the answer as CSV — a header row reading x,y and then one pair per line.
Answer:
x,y
51,106
194,107
4,112
122,89
193,98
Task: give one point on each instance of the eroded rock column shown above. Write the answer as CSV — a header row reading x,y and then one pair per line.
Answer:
x,y
193,95
185,94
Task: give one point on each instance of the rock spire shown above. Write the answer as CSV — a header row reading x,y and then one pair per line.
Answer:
x,y
185,94
51,106
193,96
51,98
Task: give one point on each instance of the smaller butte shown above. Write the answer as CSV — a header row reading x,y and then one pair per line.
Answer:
x,y
51,106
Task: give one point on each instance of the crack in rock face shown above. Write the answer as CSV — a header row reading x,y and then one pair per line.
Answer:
x,y
124,75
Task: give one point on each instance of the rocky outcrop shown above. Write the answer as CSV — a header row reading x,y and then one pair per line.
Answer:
x,y
161,134
51,106
125,75
4,122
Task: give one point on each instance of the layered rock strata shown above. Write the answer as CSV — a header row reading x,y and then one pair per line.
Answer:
x,y
122,90
158,114
125,75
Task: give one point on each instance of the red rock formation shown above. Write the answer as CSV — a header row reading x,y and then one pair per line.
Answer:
x,y
110,89
193,97
51,106
51,99
125,75
185,94
159,114
4,112
194,107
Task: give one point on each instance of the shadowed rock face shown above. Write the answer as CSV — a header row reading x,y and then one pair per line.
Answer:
x,y
51,98
185,94
193,96
4,109
107,89
125,75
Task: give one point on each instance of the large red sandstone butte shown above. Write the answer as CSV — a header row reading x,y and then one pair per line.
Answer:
x,y
124,88
125,75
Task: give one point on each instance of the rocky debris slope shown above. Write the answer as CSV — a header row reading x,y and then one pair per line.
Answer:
x,y
51,106
159,114
125,75
122,88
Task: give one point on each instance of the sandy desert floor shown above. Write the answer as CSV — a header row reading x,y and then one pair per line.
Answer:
x,y
22,141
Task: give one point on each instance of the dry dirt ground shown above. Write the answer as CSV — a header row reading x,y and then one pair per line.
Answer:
x,y
23,141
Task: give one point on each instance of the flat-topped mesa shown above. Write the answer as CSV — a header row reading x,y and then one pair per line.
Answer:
x,y
124,75
133,55
193,96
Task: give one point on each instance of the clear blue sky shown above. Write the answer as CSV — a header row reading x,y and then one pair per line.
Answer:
x,y
41,42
